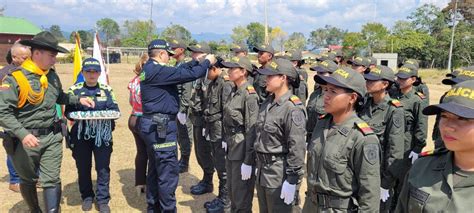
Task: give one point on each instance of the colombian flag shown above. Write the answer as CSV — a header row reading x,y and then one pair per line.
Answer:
x,y
77,78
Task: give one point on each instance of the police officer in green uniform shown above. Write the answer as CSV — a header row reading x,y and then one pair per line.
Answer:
x,y
217,93
27,102
339,59
443,181
265,57
185,127
420,86
415,122
296,58
359,64
279,140
315,106
343,154
373,62
239,50
202,147
240,115
327,56
387,119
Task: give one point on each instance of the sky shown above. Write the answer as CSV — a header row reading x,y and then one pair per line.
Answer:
x,y
217,16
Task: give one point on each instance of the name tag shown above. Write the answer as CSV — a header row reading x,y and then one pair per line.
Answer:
x,y
418,194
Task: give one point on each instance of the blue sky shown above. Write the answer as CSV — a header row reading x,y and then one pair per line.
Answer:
x,y
218,16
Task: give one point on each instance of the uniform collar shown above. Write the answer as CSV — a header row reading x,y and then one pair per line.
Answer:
x,y
408,94
345,127
382,105
283,98
242,87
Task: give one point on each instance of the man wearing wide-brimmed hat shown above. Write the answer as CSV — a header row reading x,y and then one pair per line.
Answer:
x,y
27,104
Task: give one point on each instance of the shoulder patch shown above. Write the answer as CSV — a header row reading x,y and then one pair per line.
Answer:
x,y
434,152
364,128
251,89
396,103
105,86
295,100
421,95
298,117
371,153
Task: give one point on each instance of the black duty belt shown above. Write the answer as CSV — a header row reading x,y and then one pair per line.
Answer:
x,y
330,201
235,130
151,115
45,131
269,158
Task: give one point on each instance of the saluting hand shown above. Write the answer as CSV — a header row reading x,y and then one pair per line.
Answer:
x,y
30,141
88,102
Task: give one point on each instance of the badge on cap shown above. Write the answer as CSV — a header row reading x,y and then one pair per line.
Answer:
x,y
274,65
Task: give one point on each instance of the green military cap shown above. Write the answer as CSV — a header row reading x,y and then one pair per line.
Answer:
x,y
294,55
373,61
239,48
413,62
380,72
264,48
327,56
280,66
407,71
177,43
454,73
338,53
459,100
200,48
325,66
360,61
463,74
240,62
345,77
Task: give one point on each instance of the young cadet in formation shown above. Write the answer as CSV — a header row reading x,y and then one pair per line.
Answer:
x,y
315,107
216,95
420,86
343,164
92,137
296,58
387,119
279,140
359,64
240,115
443,181
265,57
415,122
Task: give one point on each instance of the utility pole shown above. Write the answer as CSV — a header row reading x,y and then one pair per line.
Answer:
x,y
266,22
452,34
150,33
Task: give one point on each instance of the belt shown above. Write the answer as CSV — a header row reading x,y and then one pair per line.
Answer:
x,y
150,115
235,130
330,201
45,131
269,158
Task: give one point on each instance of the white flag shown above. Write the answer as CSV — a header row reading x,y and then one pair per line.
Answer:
x,y
97,54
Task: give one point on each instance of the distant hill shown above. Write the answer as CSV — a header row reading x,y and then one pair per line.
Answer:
x,y
211,37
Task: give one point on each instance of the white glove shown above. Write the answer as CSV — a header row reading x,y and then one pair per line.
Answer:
x,y
224,146
413,157
288,192
181,118
245,171
384,194
204,132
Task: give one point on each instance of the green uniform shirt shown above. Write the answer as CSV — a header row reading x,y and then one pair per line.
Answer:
x,y
343,162
387,120
315,108
240,115
432,186
31,116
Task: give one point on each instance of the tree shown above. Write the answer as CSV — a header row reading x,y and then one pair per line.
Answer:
x,y
296,41
256,34
176,31
109,28
375,35
86,37
240,34
138,33
428,18
465,7
56,31
329,35
353,44
278,37
401,26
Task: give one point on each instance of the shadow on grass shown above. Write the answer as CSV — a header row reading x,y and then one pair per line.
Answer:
x,y
134,200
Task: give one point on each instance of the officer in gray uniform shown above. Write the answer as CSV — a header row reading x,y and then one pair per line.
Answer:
x,y
202,147
386,117
279,140
265,56
296,58
240,115
343,154
443,181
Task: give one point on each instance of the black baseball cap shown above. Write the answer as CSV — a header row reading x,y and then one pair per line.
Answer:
x,y
238,61
200,48
407,71
160,44
280,66
264,48
380,72
90,64
463,74
325,66
345,77
459,100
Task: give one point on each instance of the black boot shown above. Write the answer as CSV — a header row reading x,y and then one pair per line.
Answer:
x,y
204,186
222,202
29,194
184,164
52,198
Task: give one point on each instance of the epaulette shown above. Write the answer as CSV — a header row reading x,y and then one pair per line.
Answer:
x,y
295,100
364,128
396,103
105,86
438,151
77,86
251,89
422,96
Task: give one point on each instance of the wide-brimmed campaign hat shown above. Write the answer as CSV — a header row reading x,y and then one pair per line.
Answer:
x,y
45,40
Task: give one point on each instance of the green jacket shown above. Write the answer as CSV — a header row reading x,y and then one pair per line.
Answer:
x,y
343,162
435,184
315,108
30,116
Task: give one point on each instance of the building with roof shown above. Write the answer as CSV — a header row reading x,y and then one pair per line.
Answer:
x,y
12,29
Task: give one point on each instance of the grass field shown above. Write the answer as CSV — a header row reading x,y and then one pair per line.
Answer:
x,y
124,197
